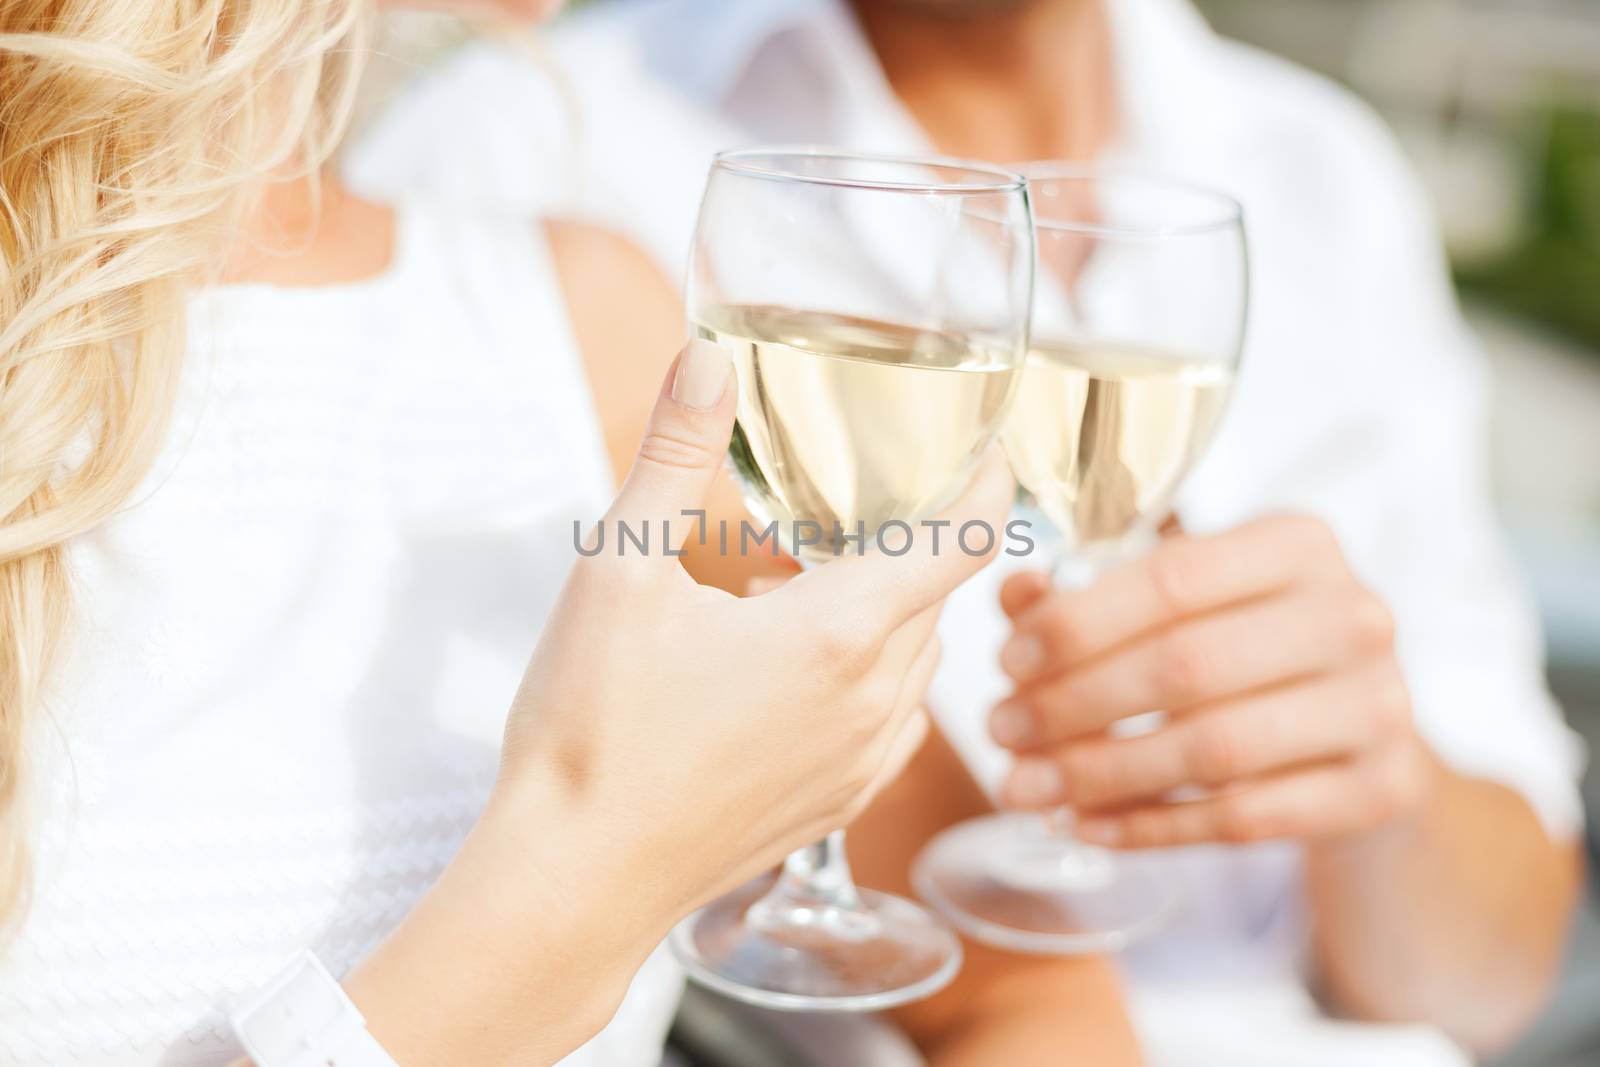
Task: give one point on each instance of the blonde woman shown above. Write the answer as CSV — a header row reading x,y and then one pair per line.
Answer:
x,y
287,486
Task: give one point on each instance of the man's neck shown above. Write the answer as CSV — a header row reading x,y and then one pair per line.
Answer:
x,y
1029,81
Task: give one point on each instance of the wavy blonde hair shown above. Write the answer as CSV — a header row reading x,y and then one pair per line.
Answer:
x,y
132,136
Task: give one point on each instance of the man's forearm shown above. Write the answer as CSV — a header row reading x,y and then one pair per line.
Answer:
x,y
1454,916
1043,1019
1020,1011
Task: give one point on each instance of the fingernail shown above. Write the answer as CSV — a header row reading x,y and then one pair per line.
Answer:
x,y
1100,832
1022,656
1035,783
703,369
1010,725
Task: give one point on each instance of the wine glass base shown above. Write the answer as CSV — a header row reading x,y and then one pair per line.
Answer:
x,y
886,953
1010,881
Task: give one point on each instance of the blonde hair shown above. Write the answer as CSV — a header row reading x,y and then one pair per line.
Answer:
x,y
131,137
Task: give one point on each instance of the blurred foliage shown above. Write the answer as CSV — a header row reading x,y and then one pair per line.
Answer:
x,y
1553,274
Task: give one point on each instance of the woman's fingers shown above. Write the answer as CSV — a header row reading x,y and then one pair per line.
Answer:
x,y
766,583
909,639
1217,745
681,451
909,735
908,724
940,554
914,686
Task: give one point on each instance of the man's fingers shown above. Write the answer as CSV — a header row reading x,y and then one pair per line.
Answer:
x,y
682,449
1217,745
1022,590
1326,800
1253,646
1182,576
971,532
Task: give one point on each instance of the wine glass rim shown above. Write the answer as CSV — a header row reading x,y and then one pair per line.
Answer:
x,y
747,162
1229,212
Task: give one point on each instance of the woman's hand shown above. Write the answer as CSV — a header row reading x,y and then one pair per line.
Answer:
x,y
1276,668
668,742
710,734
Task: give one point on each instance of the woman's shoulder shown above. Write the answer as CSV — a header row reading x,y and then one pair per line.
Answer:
x,y
435,134
613,288
627,319
626,314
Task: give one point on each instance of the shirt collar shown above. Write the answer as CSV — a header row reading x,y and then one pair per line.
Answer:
x,y
1172,108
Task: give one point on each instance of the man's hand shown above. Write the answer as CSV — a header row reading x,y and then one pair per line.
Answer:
x,y
1276,668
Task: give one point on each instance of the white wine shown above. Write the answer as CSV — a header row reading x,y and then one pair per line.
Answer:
x,y
851,423
1102,436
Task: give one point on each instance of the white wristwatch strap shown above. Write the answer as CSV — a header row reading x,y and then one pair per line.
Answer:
x,y
303,1018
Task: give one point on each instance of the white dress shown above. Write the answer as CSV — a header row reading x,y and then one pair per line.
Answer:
x,y
293,651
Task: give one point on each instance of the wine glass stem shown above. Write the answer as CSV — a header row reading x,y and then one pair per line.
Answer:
x,y
1075,571
1062,821
1078,570
817,875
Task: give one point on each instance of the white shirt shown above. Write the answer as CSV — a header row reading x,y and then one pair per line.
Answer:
x,y
1361,398
294,649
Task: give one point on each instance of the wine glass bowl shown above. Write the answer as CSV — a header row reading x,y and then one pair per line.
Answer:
x,y
853,423
1138,325
876,312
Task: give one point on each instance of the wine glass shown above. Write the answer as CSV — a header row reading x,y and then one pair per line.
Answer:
x,y
876,309
1139,316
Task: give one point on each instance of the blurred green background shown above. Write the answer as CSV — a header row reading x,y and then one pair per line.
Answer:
x,y
1499,101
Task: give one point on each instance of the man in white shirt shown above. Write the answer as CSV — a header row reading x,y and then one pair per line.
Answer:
x,y
1396,807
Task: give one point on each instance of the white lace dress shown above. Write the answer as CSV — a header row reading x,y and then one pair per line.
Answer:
x,y
294,650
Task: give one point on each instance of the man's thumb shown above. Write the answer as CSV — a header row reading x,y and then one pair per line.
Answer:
x,y
683,444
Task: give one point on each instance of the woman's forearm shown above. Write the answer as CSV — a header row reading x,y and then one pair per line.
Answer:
x,y
522,950
520,954
1455,916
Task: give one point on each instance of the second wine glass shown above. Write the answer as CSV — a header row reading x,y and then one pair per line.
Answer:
x,y
876,310
1139,315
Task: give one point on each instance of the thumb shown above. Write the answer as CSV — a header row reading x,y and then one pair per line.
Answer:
x,y
683,444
